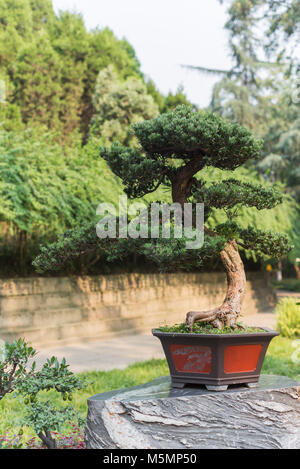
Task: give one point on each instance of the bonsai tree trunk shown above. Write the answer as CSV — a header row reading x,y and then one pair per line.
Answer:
x,y
230,309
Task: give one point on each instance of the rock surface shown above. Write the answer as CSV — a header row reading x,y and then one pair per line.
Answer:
x,y
155,416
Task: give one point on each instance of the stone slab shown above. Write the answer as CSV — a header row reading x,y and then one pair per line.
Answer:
x,y
155,416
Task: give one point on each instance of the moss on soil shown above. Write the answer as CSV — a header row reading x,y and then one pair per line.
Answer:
x,y
208,329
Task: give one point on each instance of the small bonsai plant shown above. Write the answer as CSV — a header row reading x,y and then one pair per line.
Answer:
x,y
19,376
173,150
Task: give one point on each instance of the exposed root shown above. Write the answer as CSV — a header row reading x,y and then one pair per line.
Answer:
x,y
226,314
239,326
200,316
218,317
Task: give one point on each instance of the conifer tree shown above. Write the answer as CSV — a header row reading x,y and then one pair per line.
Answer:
x,y
70,41
37,83
118,104
174,148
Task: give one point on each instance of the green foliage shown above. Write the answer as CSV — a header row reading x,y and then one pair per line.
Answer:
x,y
70,41
281,154
45,418
17,376
181,134
288,317
14,359
50,64
43,194
153,91
52,375
168,254
283,18
283,218
279,359
129,164
186,134
231,192
266,242
169,102
42,415
173,100
55,255
117,105
172,255
246,93
37,83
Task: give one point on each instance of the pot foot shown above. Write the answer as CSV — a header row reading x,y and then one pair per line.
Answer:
x,y
176,384
216,388
251,385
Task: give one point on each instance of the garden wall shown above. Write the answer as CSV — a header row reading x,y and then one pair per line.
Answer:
x,y
64,310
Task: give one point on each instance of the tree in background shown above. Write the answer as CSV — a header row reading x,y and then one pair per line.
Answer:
x,y
104,50
257,91
117,105
43,194
283,19
50,64
70,41
169,102
37,81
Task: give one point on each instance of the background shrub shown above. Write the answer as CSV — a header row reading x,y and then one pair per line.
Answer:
x,y
288,317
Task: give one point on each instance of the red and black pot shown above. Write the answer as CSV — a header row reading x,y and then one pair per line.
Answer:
x,y
215,360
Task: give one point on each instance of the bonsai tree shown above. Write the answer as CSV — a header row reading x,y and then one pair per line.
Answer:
x,y
174,148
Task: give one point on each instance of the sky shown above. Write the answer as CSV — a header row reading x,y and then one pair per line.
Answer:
x,y
165,34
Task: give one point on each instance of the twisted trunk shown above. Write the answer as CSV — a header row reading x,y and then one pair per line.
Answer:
x,y
226,314
230,309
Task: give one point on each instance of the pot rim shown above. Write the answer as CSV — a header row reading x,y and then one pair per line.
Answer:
x,y
265,331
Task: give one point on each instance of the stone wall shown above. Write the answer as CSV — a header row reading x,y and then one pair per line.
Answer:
x,y
64,310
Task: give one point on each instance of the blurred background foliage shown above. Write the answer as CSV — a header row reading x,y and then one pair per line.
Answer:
x,y
70,90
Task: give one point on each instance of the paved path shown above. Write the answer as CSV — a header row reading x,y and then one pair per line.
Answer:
x,y
285,293
105,354
119,352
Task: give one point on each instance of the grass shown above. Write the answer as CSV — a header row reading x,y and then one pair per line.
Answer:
x,y
278,361
288,317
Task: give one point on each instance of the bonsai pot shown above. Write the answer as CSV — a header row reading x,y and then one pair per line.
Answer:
x,y
215,360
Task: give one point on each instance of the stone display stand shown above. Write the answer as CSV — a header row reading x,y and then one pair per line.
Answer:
x,y
155,416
